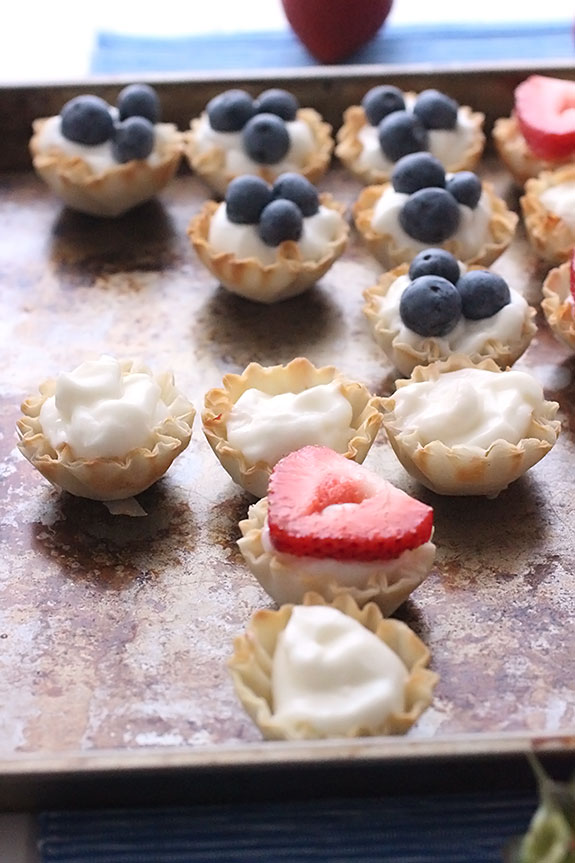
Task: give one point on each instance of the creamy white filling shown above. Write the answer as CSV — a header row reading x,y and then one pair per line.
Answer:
x,y
560,200
100,412
469,407
243,241
467,337
266,427
237,161
334,674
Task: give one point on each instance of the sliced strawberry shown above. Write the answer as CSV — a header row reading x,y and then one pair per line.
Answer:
x,y
545,109
572,275
321,504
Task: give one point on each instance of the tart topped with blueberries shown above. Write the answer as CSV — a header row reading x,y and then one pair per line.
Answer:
x,y
390,124
268,243
437,306
423,205
102,159
267,136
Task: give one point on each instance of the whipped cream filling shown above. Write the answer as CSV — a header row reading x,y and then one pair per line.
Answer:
x,y
467,337
243,241
469,407
560,199
266,427
237,161
447,145
101,412
334,674
472,233
99,157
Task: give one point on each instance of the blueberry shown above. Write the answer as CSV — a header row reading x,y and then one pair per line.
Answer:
x,y
381,101
430,216
133,139
246,197
87,120
482,294
436,110
278,102
139,100
435,262
417,171
230,111
281,220
465,187
401,133
430,306
266,139
296,188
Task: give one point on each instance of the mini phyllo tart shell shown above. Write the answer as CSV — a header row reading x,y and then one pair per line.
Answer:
x,y
288,276
114,478
295,377
468,470
349,146
287,578
116,190
406,357
252,662
210,164
551,237
515,153
390,254
557,304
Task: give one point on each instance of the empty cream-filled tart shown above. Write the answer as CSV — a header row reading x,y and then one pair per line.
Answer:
x,y
330,670
106,430
558,304
464,428
266,412
548,207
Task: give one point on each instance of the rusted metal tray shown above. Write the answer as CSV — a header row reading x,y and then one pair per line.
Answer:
x,y
115,631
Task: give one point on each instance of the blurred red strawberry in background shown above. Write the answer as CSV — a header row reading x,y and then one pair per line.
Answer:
x,y
331,30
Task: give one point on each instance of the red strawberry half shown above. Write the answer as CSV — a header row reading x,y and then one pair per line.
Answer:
x,y
545,109
321,504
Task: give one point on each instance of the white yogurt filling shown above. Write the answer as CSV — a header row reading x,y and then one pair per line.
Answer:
x,y
467,337
243,241
334,674
266,427
560,200
469,407
237,161
447,145
472,233
101,412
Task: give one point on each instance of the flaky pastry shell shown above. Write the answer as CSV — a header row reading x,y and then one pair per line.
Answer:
x,y
406,357
108,478
252,660
210,164
385,247
286,579
468,470
288,276
515,153
349,146
116,190
296,376
557,305
551,237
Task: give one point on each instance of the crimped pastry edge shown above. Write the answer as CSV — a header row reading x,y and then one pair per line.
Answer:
x,y
549,235
515,154
557,307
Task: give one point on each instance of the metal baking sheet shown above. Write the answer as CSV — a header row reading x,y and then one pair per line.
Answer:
x,y
115,631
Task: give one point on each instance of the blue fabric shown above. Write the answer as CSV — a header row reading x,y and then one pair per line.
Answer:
x,y
117,53
446,828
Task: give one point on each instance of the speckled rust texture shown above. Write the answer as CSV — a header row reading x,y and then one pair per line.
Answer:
x,y
114,632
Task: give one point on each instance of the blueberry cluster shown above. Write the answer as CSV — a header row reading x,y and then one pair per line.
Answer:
x,y
261,121
278,210
431,213
89,120
401,131
439,295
